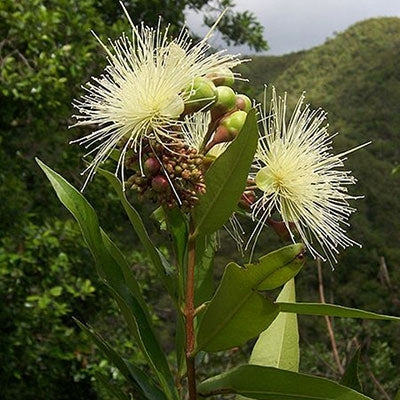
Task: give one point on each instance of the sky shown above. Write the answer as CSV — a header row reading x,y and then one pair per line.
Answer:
x,y
293,25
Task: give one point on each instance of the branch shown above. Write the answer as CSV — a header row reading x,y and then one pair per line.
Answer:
x,y
189,315
328,320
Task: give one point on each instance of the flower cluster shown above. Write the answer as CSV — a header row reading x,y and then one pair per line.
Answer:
x,y
170,176
151,81
166,106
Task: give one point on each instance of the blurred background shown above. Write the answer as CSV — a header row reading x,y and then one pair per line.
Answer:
x,y
345,54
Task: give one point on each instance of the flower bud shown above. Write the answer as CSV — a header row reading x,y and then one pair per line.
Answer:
x,y
160,184
201,94
247,199
226,100
234,123
222,76
243,103
222,135
151,167
281,229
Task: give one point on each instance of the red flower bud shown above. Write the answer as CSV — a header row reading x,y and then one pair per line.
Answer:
x,y
160,184
243,102
151,167
224,76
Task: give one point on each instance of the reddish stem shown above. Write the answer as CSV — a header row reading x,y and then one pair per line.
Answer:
x,y
189,316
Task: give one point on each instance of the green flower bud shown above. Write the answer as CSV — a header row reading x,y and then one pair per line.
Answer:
x,y
243,102
226,101
160,184
234,122
223,76
202,94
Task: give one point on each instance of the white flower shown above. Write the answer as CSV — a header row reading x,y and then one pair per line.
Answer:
x,y
301,179
195,129
141,93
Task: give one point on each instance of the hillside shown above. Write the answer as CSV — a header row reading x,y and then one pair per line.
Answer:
x,y
355,76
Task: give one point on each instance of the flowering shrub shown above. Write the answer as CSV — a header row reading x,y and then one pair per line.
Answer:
x,y
180,137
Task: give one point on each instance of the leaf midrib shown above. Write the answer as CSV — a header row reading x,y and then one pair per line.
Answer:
x,y
252,290
220,190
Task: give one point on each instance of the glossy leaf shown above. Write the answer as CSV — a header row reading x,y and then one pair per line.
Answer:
x,y
350,377
140,230
268,383
226,179
113,268
238,312
277,266
332,310
204,271
139,326
110,263
278,346
176,224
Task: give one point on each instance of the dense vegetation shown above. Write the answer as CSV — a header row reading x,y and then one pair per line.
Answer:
x,y
46,274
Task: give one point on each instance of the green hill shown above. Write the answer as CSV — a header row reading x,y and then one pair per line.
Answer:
x,y
355,76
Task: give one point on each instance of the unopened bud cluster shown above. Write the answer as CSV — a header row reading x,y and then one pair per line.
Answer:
x,y
228,109
170,172
170,175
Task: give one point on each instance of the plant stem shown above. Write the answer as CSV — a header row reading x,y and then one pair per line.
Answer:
x,y
328,320
189,315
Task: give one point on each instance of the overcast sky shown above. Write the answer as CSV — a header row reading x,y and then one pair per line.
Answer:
x,y
292,25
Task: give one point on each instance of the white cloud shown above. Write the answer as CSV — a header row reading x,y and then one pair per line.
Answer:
x,y
292,25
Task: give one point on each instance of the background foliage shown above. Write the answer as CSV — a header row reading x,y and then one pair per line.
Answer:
x,y
46,274
354,76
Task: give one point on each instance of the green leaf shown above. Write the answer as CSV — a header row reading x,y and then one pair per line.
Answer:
x,y
151,391
177,225
111,388
204,270
56,291
397,397
120,259
114,270
139,326
278,346
115,359
226,179
332,310
277,267
350,377
268,383
140,230
238,312
180,345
